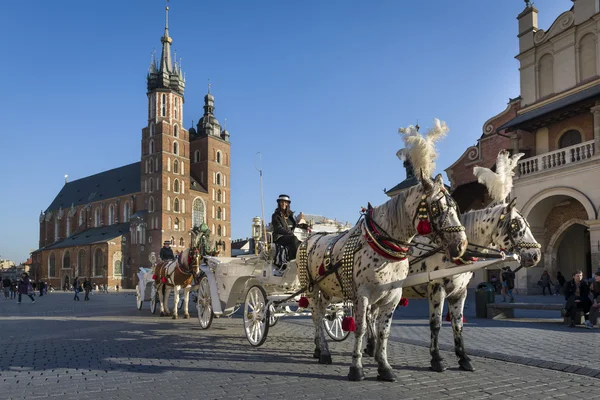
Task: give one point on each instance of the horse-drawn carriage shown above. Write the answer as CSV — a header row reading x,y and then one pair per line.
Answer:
x,y
145,290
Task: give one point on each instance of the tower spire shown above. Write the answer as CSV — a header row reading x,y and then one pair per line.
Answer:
x,y
165,59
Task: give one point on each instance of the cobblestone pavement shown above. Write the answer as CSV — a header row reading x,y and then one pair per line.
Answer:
x,y
106,349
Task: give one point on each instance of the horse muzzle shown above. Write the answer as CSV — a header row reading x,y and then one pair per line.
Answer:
x,y
457,248
530,257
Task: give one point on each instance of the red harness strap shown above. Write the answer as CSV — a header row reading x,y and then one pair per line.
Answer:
x,y
383,247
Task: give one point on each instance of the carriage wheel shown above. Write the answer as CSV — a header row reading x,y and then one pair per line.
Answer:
x,y
272,318
256,323
138,296
333,326
153,299
204,304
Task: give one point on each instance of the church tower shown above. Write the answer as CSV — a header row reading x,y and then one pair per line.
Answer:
x,y
210,150
165,179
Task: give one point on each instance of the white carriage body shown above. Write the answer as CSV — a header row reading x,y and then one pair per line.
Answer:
x,y
145,282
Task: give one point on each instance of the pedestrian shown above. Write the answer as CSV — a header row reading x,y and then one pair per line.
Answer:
x,y
41,288
545,282
559,283
25,287
117,287
508,284
87,286
76,288
14,289
7,286
595,308
577,295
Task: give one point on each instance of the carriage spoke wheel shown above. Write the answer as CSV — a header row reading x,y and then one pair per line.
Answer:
x,y
333,325
272,318
138,295
153,299
203,304
256,316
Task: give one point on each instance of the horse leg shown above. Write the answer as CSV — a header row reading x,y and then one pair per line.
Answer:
x,y
436,306
356,369
456,305
318,314
186,299
384,324
176,305
370,321
161,295
166,300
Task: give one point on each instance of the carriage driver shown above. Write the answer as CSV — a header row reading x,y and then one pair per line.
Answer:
x,y
283,223
166,253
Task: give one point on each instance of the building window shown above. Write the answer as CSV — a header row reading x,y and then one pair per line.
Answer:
x,y
219,213
175,167
181,242
151,204
152,106
81,217
218,157
126,211
219,195
151,149
197,213
111,214
176,128
176,186
175,148
66,260
176,109
164,105
80,263
56,228
176,205
176,225
219,230
98,262
68,227
569,138
51,266
197,156
218,179
97,218
173,239
546,75
118,267
587,57
151,129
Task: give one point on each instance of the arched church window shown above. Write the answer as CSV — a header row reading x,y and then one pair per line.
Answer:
x,y
176,128
164,105
176,205
98,262
197,156
218,157
175,167
66,260
176,186
151,150
197,213
81,262
176,225
175,148
51,265
569,138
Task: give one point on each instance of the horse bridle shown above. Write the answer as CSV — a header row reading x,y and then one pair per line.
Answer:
x,y
511,227
436,216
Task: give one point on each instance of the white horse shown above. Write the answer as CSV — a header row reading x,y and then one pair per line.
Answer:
x,y
170,275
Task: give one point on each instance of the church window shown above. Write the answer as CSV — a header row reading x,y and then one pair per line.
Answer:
x,y
126,212
51,266
219,195
117,267
219,213
98,262
218,179
224,216
175,167
175,148
176,130
151,148
197,213
66,260
176,225
156,165
157,184
56,228
81,217
176,186
224,180
219,230
172,240
182,167
151,204
176,205
81,263
218,157
176,111
111,214
152,106
68,227
164,105
97,218
197,156
213,229
569,138
151,129
181,243
151,185
146,165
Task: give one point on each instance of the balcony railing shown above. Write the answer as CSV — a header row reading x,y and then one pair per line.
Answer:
x,y
557,159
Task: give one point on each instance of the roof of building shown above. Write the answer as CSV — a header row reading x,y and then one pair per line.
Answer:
x,y
553,106
238,244
92,236
105,185
408,182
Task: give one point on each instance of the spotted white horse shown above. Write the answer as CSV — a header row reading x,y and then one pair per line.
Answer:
x,y
376,253
169,275
499,226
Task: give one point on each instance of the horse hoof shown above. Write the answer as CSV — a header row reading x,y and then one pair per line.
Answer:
x,y
356,374
162,314
175,316
317,353
466,365
437,365
325,358
186,316
386,375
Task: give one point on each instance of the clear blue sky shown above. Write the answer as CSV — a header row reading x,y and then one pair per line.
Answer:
x,y
320,88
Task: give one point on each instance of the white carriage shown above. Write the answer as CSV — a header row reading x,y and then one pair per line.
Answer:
x,y
145,290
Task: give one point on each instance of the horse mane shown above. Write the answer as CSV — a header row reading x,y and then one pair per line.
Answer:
x,y
393,218
184,257
420,150
499,184
473,223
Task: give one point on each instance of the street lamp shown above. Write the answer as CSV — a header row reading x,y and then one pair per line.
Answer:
x,y
256,232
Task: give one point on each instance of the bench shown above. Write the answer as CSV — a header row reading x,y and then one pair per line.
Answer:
x,y
507,310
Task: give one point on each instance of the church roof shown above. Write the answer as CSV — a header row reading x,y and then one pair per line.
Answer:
x,y
91,236
105,185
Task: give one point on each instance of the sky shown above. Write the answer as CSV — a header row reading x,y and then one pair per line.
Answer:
x,y
318,88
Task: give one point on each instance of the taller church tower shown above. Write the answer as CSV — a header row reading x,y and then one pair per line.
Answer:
x,y
166,153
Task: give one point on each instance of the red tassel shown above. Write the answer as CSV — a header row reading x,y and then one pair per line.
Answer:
x,y
303,302
404,302
424,227
154,277
322,270
348,324
163,280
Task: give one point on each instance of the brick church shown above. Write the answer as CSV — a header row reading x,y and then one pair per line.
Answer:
x,y
105,226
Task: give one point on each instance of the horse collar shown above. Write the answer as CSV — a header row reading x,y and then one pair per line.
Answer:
x,y
383,245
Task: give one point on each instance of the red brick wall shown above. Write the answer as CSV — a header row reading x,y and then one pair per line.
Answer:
x,y
561,214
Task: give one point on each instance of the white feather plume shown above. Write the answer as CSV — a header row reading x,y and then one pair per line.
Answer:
x,y
499,183
421,149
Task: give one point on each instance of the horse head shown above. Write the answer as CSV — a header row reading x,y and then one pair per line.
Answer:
x,y
438,214
190,259
514,235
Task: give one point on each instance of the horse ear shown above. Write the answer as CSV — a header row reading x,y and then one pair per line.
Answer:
x,y
439,180
426,182
511,205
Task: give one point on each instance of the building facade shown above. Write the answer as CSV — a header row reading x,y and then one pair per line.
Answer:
x,y
107,225
555,122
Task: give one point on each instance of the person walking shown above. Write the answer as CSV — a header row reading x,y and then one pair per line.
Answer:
x,y
76,288
545,282
508,284
559,283
25,287
7,286
595,308
87,286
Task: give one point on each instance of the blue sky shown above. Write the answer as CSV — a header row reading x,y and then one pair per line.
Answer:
x,y
320,88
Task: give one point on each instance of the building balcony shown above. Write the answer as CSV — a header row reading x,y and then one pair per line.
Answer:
x,y
557,159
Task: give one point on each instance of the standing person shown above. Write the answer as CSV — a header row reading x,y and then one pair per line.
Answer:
x,y
595,308
117,287
76,288
545,282
166,252
559,284
7,286
283,223
87,286
508,284
577,295
14,289
24,287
